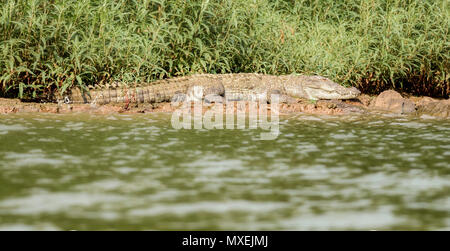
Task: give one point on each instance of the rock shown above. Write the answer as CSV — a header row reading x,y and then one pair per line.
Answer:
x,y
393,102
408,107
437,108
422,100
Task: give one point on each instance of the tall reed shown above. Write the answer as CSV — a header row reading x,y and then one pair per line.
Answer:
x,y
51,45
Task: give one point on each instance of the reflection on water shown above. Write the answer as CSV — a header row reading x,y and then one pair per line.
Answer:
x,y
137,172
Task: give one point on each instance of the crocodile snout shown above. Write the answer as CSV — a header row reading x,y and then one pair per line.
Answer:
x,y
348,92
355,92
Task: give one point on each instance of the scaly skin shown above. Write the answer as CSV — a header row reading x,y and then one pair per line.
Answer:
x,y
241,86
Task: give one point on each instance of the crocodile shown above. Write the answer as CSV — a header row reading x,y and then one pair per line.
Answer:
x,y
240,86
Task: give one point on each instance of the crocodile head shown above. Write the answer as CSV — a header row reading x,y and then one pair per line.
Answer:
x,y
317,87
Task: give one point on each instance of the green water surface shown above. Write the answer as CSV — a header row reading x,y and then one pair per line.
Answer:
x,y
135,172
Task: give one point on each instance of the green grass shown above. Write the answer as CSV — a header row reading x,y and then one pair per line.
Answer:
x,y
48,45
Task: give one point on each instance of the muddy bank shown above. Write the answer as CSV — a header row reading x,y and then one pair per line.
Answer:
x,y
387,102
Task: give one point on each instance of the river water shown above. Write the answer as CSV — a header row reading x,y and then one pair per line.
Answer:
x,y
124,172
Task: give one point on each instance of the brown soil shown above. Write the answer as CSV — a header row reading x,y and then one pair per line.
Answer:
x,y
424,105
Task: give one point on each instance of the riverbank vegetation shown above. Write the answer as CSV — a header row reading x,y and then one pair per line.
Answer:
x,y
48,45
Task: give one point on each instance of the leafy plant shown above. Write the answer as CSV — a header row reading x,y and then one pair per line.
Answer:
x,y
48,46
